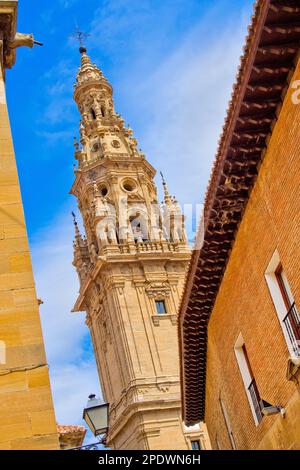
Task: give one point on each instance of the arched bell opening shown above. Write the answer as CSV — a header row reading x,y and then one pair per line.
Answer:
x,y
139,226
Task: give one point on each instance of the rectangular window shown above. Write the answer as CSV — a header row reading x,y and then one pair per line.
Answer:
x,y
195,445
228,424
284,303
160,307
248,379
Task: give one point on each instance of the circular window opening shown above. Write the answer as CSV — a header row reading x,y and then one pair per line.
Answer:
x,y
129,185
116,144
103,190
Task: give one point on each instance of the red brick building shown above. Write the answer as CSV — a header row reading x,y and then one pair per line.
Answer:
x,y
239,321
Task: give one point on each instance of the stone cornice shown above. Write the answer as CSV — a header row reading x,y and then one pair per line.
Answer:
x,y
123,410
8,21
109,164
116,258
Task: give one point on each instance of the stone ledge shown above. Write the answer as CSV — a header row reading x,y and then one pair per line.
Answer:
x,y
156,319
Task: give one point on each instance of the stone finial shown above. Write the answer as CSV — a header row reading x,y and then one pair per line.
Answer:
x,y
78,237
89,73
76,144
167,197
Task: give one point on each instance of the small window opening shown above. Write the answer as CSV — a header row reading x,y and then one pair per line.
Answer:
x,y
195,445
160,307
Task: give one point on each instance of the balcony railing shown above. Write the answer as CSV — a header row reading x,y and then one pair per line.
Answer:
x,y
150,247
255,397
292,325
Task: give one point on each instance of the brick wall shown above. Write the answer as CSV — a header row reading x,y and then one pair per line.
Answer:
x,y
244,305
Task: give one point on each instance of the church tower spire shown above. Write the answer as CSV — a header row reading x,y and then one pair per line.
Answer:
x,y
131,269
167,197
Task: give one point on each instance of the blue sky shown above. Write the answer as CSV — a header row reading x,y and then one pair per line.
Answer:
x,y
172,64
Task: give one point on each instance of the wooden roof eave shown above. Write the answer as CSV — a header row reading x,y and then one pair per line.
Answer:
x,y
193,369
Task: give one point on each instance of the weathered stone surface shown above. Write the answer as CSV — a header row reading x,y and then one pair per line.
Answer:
x,y
27,418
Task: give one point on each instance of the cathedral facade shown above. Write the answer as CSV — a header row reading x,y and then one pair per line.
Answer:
x,y
131,265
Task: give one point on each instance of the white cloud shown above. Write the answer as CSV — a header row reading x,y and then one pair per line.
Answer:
x,y
72,367
71,386
178,110
57,285
54,137
185,101
58,83
67,3
178,104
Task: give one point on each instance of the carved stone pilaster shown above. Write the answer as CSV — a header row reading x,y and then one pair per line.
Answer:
x,y
158,290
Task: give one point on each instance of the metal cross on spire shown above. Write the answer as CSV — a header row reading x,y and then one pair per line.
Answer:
x,y
80,36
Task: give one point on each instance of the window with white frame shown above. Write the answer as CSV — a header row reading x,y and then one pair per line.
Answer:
x,y
284,303
248,379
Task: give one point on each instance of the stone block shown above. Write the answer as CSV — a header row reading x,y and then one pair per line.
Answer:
x,y
19,262
24,297
38,378
15,231
43,422
48,442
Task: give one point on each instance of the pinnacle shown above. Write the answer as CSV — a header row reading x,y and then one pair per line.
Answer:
x,y
85,59
167,197
77,232
88,71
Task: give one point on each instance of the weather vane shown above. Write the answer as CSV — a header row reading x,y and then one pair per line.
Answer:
x,y
80,36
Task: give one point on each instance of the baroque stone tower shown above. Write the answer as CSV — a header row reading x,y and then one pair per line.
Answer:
x,y
131,266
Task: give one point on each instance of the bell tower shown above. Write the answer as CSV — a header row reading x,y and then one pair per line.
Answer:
x,y
131,265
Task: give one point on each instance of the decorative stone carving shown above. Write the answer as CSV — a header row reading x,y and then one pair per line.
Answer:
x,y
94,253
116,144
20,40
156,319
130,259
163,388
158,289
92,175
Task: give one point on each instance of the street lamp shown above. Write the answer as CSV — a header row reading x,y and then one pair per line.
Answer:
x,y
96,415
